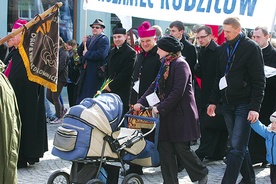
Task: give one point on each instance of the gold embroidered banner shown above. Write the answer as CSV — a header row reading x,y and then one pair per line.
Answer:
x,y
39,51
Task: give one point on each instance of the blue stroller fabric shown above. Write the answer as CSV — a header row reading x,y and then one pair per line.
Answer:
x,y
91,120
86,126
148,157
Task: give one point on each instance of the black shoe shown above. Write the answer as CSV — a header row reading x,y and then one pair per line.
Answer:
x,y
31,162
180,168
244,182
129,171
21,164
192,143
265,165
136,171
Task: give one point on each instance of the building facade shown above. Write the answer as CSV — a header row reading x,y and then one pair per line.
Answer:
x,y
74,20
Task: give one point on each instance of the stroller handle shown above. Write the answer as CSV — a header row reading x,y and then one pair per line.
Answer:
x,y
154,120
156,125
141,108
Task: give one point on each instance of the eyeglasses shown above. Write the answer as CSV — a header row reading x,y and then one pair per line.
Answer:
x,y
97,27
201,37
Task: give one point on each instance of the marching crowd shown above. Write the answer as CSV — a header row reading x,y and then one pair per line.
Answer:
x,y
199,89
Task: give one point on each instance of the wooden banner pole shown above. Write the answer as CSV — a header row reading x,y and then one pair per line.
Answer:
x,y
85,23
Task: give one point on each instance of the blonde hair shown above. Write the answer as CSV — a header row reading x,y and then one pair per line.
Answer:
x,y
158,29
233,21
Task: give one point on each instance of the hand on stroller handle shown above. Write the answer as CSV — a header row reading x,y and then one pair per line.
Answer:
x,y
140,107
145,108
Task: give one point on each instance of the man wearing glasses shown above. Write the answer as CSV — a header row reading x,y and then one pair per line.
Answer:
x,y
93,52
213,130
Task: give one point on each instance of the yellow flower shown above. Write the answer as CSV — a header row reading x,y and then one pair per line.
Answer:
x,y
104,85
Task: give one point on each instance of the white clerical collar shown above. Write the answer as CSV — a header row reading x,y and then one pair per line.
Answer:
x,y
266,45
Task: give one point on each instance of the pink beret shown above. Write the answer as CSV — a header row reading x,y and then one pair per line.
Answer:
x,y
18,23
145,30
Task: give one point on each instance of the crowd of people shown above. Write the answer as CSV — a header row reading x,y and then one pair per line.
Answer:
x,y
206,91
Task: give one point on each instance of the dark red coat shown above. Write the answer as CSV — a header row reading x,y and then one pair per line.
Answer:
x,y
178,112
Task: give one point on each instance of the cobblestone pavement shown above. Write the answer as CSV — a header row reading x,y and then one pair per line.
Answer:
x,y
40,172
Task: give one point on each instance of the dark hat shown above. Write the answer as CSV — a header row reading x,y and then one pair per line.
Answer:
x,y
118,29
170,44
167,31
99,22
145,30
134,31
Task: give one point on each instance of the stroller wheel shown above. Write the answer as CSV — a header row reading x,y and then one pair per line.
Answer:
x,y
132,179
95,181
59,177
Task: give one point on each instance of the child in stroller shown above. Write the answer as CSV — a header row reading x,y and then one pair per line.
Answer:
x,y
92,139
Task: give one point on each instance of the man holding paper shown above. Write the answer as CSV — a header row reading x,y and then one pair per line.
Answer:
x,y
240,83
257,143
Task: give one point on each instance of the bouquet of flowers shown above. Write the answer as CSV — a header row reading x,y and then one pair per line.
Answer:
x,y
104,85
76,56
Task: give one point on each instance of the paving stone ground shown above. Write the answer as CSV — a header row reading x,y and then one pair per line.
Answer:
x,y
40,172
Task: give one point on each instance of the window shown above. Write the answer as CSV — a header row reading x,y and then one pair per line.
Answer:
x,y
27,9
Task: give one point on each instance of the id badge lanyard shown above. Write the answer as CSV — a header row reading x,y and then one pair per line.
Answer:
x,y
229,56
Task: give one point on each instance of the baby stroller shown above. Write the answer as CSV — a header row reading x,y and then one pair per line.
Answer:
x,y
90,136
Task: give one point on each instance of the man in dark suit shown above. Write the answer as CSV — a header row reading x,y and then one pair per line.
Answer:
x,y
189,51
256,145
93,51
121,60
214,134
240,83
145,71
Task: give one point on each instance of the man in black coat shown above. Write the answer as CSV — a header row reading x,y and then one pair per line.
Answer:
x,y
214,134
145,71
240,84
121,60
189,51
257,143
